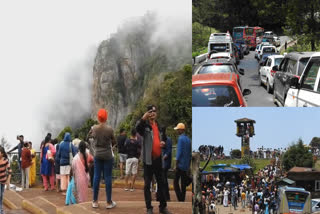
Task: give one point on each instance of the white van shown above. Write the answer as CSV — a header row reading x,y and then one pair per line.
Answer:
x,y
305,92
221,43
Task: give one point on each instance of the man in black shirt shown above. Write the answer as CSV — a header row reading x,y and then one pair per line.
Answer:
x,y
132,147
121,139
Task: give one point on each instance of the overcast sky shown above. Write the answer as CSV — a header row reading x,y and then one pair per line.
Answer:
x,y
42,42
274,128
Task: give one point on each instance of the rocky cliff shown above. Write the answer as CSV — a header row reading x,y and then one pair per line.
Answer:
x,y
126,62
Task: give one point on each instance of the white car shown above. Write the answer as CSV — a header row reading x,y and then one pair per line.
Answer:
x,y
315,203
266,49
266,73
259,47
276,41
256,51
305,92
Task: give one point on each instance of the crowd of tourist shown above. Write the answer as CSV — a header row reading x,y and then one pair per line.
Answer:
x,y
257,192
72,164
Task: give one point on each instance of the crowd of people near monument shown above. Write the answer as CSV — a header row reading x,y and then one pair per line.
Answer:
x,y
240,191
72,164
215,151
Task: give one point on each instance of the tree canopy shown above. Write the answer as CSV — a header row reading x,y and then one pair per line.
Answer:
x,y
297,155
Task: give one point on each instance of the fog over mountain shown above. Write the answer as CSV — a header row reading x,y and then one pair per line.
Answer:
x,y
48,56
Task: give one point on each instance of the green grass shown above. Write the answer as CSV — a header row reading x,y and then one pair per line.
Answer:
x,y
260,163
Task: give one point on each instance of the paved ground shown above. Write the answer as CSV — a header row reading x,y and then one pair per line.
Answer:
x,y
229,210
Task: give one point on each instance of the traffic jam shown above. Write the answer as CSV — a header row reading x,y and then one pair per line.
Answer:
x,y
247,69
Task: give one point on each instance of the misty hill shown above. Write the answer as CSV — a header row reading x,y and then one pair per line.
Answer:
x,y
142,50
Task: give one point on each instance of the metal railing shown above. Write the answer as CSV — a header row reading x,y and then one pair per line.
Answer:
x,y
16,172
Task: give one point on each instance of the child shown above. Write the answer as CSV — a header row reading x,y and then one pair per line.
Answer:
x,y
26,161
4,171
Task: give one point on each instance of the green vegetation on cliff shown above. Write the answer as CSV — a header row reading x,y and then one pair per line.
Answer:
x,y
173,98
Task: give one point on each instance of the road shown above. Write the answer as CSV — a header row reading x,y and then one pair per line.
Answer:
x,y
259,97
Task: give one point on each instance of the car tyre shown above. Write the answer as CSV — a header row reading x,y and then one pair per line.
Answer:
x,y
274,95
268,87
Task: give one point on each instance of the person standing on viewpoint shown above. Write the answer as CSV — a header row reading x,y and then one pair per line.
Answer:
x,y
66,152
166,161
32,173
47,163
121,139
5,175
183,158
26,161
103,143
132,147
148,128
20,138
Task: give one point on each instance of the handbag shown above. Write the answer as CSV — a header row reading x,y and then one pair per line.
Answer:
x,y
70,155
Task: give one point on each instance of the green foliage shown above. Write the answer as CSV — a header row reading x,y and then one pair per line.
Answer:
x,y
235,153
297,155
61,135
85,128
200,37
172,96
302,21
315,142
248,160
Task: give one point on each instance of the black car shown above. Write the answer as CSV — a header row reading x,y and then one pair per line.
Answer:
x,y
291,66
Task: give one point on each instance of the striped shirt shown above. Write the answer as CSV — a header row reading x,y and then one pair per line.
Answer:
x,y
4,167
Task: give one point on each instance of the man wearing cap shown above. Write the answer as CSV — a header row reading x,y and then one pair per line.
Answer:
x,y
148,128
183,158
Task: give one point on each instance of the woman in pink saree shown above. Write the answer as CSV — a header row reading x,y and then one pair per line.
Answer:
x,y
78,189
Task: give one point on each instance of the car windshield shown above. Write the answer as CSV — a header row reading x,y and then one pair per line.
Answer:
x,y
269,50
277,61
219,47
238,30
302,65
218,68
214,95
296,200
249,31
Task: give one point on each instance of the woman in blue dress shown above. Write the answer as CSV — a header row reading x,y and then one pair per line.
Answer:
x,y
47,169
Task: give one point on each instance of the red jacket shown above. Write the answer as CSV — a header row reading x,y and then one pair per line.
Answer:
x,y
26,158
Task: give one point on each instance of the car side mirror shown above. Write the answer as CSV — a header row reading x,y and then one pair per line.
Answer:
x,y
246,92
241,71
261,63
294,82
275,68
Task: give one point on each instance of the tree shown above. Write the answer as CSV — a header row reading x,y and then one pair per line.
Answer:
x,y
85,128
4,143
297,155
248,160
302,21
236,153
61,135
315,142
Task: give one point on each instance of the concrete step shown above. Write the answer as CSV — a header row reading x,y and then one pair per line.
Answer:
x,y
12,200
77,208
39,205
